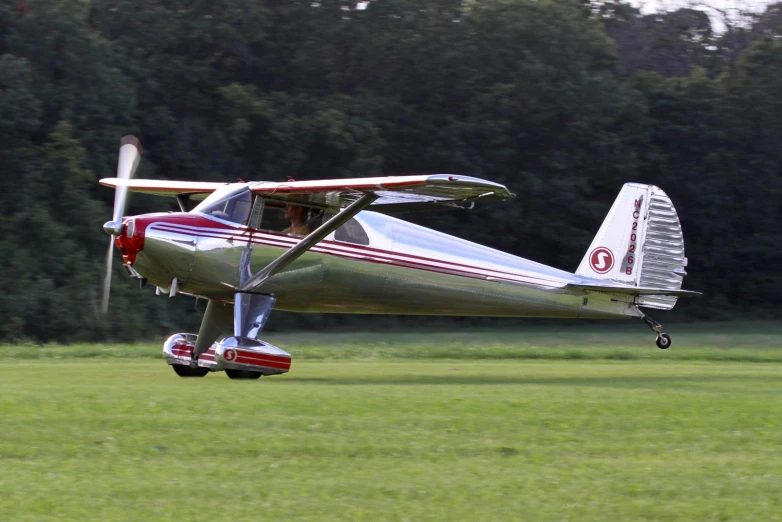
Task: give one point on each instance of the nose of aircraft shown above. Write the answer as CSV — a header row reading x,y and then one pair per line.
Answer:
x,y
112,228
130,241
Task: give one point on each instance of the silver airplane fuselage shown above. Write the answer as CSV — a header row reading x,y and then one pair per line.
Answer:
x,y
390,267
228,249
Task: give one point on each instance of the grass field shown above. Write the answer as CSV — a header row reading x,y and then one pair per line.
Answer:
x,y
540,425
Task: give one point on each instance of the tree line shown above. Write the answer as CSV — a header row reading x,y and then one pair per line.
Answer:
x,y
563,101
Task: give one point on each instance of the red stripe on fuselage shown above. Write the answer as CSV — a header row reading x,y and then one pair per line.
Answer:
x,y
363,249
359,252
241,230
454,270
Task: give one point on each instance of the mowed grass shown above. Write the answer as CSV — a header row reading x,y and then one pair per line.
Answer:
x,y
397,438
625,340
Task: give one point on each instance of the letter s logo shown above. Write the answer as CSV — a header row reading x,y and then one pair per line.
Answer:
x,y
601,260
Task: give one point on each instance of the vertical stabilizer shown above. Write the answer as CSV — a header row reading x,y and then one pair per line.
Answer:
x,y
639,244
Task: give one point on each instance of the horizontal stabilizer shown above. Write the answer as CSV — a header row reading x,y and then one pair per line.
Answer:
x,y
634,290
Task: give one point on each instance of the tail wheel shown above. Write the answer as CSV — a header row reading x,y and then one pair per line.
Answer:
x,y
243,375
663,341
187,371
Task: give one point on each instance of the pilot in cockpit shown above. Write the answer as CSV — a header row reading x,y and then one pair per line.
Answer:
x,y
298,217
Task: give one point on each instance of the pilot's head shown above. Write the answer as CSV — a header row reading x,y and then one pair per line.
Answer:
x,y
295,212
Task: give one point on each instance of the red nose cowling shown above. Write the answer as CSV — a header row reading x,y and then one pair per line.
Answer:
x,y
131,241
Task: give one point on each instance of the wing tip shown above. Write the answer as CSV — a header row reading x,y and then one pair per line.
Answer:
x,y
498,189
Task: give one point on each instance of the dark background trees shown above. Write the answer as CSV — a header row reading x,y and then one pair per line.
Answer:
x,y
563,101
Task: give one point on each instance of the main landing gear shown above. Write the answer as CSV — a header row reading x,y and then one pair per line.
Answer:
x,y
663,339
242,375
187,371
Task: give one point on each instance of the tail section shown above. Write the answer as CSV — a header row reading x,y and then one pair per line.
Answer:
x,y
640,244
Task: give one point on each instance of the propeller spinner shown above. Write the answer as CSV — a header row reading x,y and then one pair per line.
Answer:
x,y
129,156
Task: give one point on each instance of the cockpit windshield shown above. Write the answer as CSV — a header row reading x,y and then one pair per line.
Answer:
x,y
230,203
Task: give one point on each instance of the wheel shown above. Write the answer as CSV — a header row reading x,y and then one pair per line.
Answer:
x,y
187,371
663,341
243,375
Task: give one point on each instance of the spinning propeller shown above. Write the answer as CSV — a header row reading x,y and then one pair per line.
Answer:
x,y
129,156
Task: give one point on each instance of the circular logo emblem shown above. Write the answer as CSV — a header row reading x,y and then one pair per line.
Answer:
x,y
229,355
601,260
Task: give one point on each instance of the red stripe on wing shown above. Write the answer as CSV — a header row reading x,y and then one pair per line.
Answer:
x,y
388,182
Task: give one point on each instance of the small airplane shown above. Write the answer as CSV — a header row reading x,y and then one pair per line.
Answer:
x,y
344,257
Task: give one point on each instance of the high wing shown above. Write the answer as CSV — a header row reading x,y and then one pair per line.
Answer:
x,y
395,193
193,189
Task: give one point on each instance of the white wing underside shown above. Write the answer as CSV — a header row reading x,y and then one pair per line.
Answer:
x,y
396,193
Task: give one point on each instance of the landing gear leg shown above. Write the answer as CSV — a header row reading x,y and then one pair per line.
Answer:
x,y
663,339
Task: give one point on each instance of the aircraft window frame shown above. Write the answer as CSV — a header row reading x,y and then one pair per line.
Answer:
x,y
271,218
357,236
224,197
256,214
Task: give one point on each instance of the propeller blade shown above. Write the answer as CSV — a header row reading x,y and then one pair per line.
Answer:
x,y
107,280
130,151
129,156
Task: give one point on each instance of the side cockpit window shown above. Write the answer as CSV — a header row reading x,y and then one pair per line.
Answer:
x,y
233,207
294,220
352,232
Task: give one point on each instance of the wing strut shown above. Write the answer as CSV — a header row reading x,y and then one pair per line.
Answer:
x,y
181,200
308,242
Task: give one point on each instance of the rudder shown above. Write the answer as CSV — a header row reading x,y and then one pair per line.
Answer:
x,y
640,243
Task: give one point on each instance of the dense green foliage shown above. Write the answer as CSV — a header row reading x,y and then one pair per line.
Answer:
x,y
563,101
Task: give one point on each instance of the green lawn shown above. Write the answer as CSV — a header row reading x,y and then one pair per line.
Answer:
x,y
621,340
384,437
